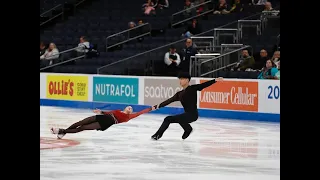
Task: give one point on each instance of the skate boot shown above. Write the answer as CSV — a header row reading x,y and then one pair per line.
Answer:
x,y
156,137
61,134
187,133
54,130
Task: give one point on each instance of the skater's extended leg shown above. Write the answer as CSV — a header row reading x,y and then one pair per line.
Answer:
x,y
92,126
183,119
85,121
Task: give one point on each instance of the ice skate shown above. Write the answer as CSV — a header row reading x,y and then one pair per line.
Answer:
x,y
187,133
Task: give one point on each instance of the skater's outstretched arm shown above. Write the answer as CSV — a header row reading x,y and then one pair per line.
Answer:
x,y
134,115
201,86
168,101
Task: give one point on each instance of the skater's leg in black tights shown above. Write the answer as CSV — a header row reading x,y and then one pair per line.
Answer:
x,y
92,126
183,119
85,121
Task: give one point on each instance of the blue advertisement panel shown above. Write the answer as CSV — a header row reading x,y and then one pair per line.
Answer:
x,y
117,90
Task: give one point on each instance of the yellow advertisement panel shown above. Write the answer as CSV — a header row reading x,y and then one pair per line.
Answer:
x,y
67,87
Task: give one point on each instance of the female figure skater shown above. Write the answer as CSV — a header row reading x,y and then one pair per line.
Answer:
x,y
100,122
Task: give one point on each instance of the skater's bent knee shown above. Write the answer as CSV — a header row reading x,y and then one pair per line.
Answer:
x,y
168,118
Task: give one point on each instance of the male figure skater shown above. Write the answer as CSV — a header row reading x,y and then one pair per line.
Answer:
x,y
188,99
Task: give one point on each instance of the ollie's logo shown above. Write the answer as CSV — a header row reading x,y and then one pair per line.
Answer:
x,y
52,143
67,87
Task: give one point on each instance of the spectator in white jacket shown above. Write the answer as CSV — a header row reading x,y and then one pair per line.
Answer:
x,y
172,60
51,53
83,46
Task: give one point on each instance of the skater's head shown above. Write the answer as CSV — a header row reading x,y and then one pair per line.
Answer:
x,y
128,110
184,79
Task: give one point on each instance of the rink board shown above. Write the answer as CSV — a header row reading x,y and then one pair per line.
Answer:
x,y
257,100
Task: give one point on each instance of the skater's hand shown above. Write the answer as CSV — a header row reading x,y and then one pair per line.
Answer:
x,y
154,107
219,79
97,111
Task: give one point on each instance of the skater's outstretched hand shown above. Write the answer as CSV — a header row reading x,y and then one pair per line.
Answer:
x,y
154,107
97,111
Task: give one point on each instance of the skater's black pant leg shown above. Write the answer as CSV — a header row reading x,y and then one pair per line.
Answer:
x,y
92,126
85,121
183,119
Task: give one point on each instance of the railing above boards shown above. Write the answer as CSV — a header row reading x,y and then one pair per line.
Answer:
x,y
61,60
217,58
179,18
209,32
48,15
128,35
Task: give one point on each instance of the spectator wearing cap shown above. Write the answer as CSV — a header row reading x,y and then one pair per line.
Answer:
x,y
172,60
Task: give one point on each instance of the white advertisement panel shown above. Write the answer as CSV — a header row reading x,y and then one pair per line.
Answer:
x,y
269,96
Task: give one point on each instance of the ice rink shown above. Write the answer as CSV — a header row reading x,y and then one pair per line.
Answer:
x,y
216,150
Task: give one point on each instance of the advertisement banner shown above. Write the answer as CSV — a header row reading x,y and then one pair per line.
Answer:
x,y
269,98
67,87
114,89
230,95
159,90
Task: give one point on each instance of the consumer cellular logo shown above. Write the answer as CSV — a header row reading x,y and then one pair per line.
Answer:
x,y
230,95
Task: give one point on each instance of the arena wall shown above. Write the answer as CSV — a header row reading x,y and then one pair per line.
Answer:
x,y
242,99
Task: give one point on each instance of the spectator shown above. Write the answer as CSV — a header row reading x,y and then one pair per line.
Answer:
x,y
202,8
262,59
269,71
236,7
140,22
278,73
276,58
188,51
42,48
172,60
131,25
268,6
162,4
246,62
192,29
149,7
138,31
51,53
189,9
83,46
221,8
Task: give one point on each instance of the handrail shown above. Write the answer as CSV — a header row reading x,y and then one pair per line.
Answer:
x,y
56,64
127,30
51,19
130,39
202,62
50,9
181,40
77,4
62,52
232,64
187,19
191,8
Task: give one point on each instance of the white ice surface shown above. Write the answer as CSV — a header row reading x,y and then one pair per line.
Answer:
x,y
216,150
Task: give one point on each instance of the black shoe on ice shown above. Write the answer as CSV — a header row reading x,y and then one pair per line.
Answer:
x,y
187,133
155,137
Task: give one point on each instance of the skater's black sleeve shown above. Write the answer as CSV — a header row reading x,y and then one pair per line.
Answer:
x,y
170,100
201,86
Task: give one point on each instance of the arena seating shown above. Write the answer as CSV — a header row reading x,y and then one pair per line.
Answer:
x,y
103,18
